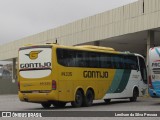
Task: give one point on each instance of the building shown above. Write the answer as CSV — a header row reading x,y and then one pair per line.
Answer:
x,y
134,27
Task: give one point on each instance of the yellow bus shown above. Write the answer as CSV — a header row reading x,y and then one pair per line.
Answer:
x,y
53,74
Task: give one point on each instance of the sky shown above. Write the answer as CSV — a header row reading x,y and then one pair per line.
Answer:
x,y
22,18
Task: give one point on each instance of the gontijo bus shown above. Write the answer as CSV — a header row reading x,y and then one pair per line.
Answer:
x,y
53,74
154,72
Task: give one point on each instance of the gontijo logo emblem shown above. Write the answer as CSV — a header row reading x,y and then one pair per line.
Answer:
x,y
33,54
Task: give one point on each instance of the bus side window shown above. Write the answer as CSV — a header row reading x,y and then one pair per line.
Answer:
x,y
117,62
133,62
94,60
80,59
109,61
105,61
126,65
70,59
66,57
113,62
143,69
61,57
121,61
130,62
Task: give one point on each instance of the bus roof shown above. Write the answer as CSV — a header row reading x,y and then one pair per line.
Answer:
x,y
85,47
96,47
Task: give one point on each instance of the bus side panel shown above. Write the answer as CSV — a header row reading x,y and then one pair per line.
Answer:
x,y
65,90
120,86
133,79
70,79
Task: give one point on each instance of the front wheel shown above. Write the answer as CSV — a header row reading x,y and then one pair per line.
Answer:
x,y
78,99
135,95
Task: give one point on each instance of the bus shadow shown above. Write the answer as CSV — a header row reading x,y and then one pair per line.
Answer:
x,y
80,108
111,103
155,104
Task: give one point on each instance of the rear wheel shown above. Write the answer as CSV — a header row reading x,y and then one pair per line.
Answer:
x,y
135,95
59,104
78,99
46,105
88,99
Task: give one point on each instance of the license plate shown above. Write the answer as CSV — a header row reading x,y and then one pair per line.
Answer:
x,y
35,91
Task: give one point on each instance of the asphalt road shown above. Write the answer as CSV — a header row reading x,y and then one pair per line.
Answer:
x,y
12,103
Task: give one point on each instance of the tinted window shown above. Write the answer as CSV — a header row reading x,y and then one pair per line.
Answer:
x,y
105,61
77,58
118,62
94,60
130,62
66,57
143,69
81,59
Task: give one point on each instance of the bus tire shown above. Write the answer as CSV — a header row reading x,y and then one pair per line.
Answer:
x,y
107,101
59,104
78,99
88,99
46,105
135,95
